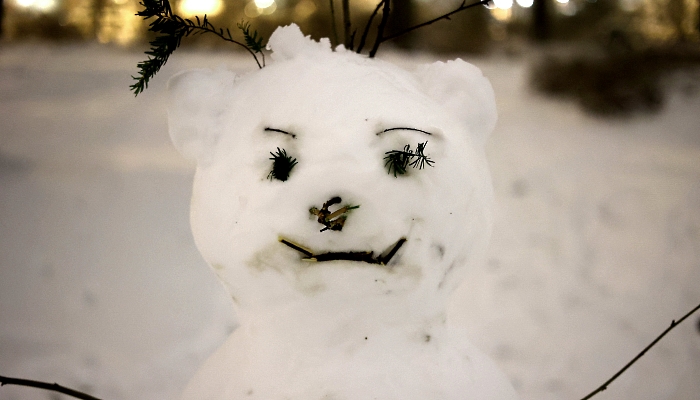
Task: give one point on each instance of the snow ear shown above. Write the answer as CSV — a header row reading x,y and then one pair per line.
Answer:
x,y
464,91
196,100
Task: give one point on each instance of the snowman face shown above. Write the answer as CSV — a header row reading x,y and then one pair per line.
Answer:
x,y
297,193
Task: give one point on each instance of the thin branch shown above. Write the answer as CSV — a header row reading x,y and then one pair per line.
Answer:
x,y
171,29
369,25
347,26
333,25
220,33
254,43
462,7
46,386
380,30
352,40
634,360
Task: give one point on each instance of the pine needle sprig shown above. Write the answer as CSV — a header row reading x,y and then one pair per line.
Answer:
x,y
253,41
171,28
398,161
282,165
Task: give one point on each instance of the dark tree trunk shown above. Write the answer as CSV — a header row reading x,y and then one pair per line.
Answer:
x,y
2,17
541,20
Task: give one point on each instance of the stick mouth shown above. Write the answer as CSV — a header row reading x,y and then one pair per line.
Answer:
x,y
359,256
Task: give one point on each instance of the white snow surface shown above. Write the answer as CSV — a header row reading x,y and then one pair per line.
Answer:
x,y
339,329
595,248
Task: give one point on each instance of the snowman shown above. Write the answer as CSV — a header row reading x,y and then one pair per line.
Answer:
x,y
339,199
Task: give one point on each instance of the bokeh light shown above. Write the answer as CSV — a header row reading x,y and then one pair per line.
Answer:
x,y
44,6
503,4
264,3
200,7
304,9
253,10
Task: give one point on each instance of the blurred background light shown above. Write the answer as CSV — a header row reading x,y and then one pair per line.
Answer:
x,y
257,8
631,5
200,7
567,8
509,23
44,6
264,3
304,9
501,15
503,4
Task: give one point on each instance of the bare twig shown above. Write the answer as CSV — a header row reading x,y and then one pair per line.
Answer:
x,y
674,323
352,40
361,256
380,30
462,7
347,26
333,25
404,129
369,25
46,386
325,216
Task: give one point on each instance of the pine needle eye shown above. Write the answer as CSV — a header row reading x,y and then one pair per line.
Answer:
x,y
398,161
282,165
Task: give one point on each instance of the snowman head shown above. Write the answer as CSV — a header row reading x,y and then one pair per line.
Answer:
x,y
297,195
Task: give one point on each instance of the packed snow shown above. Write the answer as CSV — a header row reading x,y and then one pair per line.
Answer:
x,y
346,304
595,248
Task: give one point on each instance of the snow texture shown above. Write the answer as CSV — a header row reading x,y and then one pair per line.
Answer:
x,y
339,329
595,247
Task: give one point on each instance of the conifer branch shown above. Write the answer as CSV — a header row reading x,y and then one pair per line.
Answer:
x,y
363,39
46,386
447,16
399,160
674,323
171,28
253,41
282,165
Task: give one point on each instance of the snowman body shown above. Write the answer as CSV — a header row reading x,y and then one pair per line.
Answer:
x,y
357,309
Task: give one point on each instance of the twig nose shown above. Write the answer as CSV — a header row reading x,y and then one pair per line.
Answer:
x,y
332,220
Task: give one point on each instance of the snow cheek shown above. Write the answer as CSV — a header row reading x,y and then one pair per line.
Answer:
x,y
195,110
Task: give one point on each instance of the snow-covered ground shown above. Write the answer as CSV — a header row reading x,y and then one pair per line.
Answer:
x,y
596,246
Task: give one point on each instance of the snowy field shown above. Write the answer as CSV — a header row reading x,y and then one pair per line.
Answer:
x,y
596,246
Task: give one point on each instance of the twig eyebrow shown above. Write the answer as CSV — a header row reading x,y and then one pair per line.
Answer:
x,y
404,129
268,129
